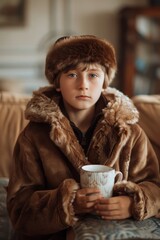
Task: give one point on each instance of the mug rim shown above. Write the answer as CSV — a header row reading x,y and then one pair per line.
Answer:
x,y
102,168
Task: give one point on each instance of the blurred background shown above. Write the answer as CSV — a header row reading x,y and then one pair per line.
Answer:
x,y
28,27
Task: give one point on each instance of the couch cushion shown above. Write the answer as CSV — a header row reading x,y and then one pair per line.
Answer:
x,y
12,121
149,108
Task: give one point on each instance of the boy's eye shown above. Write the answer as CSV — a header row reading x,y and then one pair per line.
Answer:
x,y
93,75
72,75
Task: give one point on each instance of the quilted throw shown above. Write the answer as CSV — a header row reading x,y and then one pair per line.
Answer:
x,y
5,226
94,228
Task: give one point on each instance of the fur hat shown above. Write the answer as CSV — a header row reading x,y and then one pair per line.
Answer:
x,y
70,51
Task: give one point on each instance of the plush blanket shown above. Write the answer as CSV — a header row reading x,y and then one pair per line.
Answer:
x,y
5,226
94,228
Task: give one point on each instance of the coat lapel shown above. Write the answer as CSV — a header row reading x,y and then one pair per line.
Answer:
x,y
111,134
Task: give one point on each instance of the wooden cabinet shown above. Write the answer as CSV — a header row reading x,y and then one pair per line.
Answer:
x,y
139,56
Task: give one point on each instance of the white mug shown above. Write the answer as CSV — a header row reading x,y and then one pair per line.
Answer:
x,y
100,176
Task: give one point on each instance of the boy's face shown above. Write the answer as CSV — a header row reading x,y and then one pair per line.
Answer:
x,y
81,87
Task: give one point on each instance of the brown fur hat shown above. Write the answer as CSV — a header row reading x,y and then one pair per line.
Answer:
x,y
70,51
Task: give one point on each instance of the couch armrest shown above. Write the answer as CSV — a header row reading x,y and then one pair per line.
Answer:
x,y
12,121
149,109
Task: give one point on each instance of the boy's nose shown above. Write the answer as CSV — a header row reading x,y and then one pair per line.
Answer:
x,y
83,83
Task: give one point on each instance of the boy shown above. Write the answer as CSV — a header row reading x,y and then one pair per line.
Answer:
x,y
79,120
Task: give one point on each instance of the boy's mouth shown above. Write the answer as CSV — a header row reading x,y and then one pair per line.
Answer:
x,y
83,97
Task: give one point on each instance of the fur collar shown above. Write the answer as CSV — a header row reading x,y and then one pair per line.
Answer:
x,y
43,107
119,112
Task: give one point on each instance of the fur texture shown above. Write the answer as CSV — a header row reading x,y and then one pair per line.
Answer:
x,y
85,49
47,154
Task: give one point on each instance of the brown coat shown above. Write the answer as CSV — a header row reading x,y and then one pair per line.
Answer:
x,y
48,158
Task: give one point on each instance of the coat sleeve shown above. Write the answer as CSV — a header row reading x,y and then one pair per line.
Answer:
x,y
143,182
32,208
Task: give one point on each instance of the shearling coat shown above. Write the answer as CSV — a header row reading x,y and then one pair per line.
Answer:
x,y
48,158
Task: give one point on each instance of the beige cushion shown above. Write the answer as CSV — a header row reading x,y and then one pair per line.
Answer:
x,y
12,121
149,108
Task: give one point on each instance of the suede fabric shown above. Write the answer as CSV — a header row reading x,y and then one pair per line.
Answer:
x,y
12,121
47,161
149,108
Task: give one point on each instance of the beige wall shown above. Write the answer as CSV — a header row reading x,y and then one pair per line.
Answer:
x,y
100,17
23,48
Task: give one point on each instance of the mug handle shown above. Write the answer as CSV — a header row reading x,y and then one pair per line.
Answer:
x,y
118,176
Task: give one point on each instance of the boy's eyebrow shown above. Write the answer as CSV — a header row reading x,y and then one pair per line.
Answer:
x,y
94,69
85,69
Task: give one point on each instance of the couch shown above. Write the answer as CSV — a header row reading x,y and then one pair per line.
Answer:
x,y
149,108
12,121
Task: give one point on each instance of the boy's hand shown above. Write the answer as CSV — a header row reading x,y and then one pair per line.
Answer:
x,y
85,200
114,208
